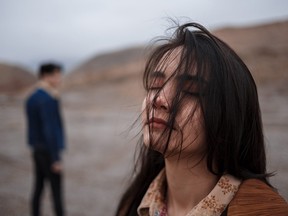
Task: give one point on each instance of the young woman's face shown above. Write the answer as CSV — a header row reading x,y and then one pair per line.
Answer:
x,y
187,131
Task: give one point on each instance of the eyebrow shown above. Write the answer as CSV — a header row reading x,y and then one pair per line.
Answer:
x,y
158,74
188,77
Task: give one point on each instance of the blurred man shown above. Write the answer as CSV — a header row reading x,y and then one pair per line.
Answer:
x,y
46,136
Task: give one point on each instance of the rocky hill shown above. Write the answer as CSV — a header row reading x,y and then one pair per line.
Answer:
x,y
115,67
263,48
13,78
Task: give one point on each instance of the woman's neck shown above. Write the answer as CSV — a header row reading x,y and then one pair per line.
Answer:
x,y
187,185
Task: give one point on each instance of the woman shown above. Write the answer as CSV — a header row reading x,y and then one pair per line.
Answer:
x,y
203,149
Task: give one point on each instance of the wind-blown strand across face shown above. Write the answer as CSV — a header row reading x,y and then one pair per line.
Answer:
x,y
172,117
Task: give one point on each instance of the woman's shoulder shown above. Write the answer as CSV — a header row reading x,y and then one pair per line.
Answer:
x,y
255,197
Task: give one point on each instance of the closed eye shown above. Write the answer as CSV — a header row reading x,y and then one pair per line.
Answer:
x,y
156,85
192,94
156,81
153,88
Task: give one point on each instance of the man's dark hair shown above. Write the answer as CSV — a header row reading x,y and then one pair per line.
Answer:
x,y
48,69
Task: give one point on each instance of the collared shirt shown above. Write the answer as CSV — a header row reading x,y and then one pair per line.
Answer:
x,y
153,202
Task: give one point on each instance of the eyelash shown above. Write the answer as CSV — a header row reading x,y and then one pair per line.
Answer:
x,y
153,88
188,93
192,94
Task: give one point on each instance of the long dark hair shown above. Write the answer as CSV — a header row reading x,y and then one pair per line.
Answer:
x,y
229,105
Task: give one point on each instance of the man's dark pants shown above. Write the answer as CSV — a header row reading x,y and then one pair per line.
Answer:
x,y
43,173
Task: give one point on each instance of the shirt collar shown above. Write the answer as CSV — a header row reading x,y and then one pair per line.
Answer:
x,y
48,88
154,199
214,203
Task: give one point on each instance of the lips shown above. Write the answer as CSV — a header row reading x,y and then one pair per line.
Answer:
x,y
158,123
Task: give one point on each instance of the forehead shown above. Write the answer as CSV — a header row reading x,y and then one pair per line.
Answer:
x,y
172,65
168,63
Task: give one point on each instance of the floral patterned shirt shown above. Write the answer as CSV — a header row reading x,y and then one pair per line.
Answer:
x,y
153,202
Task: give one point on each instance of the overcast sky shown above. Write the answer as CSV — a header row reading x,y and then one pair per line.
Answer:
x,y
71,31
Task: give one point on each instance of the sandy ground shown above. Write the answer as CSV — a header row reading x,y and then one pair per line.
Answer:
x,y
100,150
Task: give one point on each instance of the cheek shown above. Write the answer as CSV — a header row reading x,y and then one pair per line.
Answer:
x,y
192,128
146,107
188,114
144,120
144,111
195,139
57,79
54,81
144,104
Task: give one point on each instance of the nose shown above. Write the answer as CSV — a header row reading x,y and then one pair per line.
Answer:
x,y
160,101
